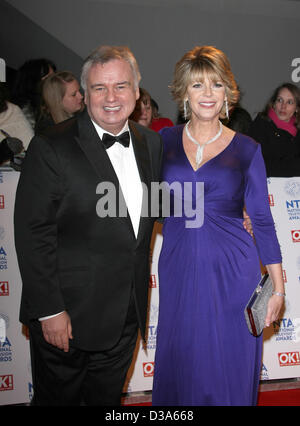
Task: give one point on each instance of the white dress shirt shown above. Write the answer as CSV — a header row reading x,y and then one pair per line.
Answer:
x,y
124,163
125,166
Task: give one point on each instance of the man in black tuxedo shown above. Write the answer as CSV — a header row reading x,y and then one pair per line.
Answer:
x,y
85,273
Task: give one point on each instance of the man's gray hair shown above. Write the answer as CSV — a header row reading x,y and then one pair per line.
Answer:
x,y
104,54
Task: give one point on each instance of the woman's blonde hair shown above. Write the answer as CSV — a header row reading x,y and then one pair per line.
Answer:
x,y
192,67
53,91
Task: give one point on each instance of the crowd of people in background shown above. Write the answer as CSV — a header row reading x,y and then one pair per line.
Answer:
x,y
41,96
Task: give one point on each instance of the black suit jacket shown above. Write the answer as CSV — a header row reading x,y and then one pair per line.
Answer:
x,y
70,258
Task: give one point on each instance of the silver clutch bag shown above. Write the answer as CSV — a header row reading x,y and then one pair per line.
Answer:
x,y
256,309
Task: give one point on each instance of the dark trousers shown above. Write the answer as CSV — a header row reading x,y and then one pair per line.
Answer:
x,y
80,377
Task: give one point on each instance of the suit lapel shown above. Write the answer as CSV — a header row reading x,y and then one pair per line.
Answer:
x,y
141,153
92,147
144,166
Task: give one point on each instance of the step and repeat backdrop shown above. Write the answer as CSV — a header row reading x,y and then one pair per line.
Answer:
x,y
281,357
15,369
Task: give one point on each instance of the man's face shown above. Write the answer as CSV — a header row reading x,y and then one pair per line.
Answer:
x,y
110,94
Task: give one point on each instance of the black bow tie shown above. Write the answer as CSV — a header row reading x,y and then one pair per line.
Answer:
x,y
109,140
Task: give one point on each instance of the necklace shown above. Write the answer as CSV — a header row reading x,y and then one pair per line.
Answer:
x,y
200,149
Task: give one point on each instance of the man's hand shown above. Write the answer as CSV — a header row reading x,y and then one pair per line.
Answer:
x,y
58,330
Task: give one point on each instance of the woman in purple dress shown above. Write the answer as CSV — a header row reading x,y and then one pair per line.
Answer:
x,y
205,353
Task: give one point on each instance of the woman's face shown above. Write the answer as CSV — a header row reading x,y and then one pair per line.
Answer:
x,y
143,112
285,105
73,99
206,98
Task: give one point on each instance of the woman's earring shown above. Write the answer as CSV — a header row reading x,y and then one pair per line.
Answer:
x,y
226,109
185,109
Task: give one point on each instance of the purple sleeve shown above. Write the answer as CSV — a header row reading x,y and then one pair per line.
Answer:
x,y
257,206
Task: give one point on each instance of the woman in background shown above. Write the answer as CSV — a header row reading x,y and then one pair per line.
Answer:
x,y
142,113
146,113
12,120
276,128
61,99
26,90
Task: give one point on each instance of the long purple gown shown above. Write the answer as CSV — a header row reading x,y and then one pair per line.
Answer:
x,y
205,354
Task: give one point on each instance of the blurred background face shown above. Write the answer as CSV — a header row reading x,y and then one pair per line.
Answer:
x,y
285,105
73,99
143,111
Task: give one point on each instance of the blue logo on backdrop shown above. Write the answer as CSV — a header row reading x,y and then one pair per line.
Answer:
x,y
30,390
284,329
292,188
151,341
5,351
293,209
3,260
264,375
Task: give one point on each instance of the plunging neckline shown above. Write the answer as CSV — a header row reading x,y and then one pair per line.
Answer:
x,y
208,161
